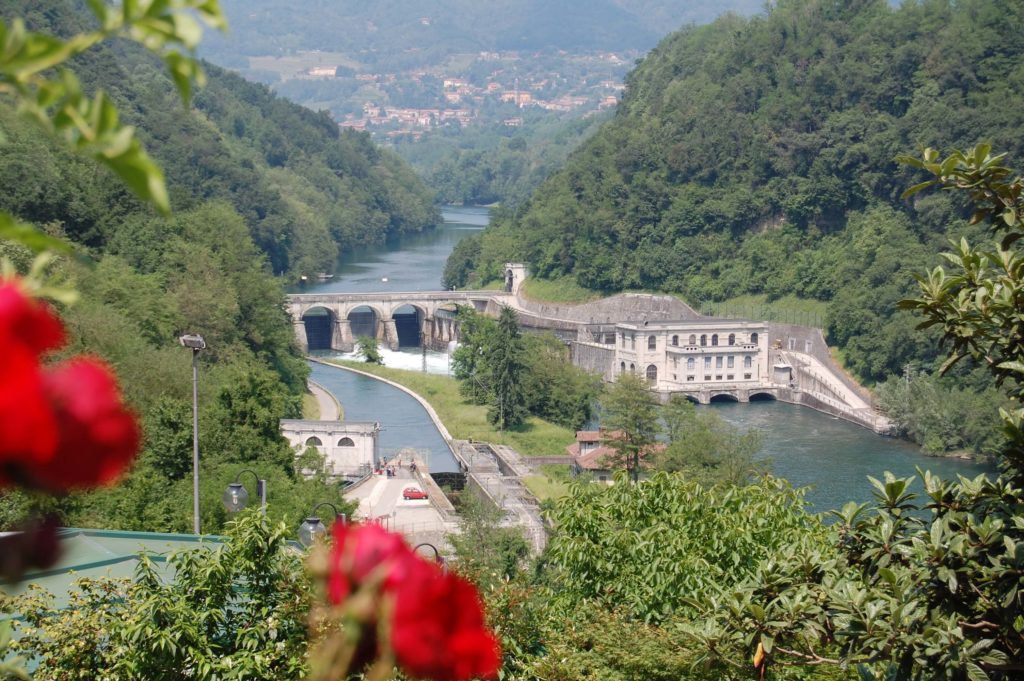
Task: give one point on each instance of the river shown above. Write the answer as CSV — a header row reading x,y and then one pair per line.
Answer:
x,y
830,456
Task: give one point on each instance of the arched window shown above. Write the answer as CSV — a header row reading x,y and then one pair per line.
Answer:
x,y
346,442
753,338
693,339
652,373
732,339
689,363
652,343
714,339
747,361
314,441
632,367
675,340
703,339
622,367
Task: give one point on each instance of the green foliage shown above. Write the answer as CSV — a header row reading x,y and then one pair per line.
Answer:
x,y
941,415
647,549
629,414
506,368
707,448
367,347
234,611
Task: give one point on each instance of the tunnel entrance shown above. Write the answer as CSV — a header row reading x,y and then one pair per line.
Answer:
x,y
408,322
319,328
363,322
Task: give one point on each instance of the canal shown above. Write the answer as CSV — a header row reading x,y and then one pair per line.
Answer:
x,y
830,456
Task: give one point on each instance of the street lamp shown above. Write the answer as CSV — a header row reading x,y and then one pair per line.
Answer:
x,y
195,343
236,497
311,528
437,554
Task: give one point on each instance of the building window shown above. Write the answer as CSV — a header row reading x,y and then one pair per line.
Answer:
x,y
728,377
707,377
652,373
693,339
632,367
675,362
792,343
622,367
689,378
675,341
689,363
707,362
753,338
714,339
346,442
807,346
747,361
652,343
314,442
718,377
703,340
732,339
632,341
746,376
718,362
730,362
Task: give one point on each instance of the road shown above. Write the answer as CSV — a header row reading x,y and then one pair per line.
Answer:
x,y
380,498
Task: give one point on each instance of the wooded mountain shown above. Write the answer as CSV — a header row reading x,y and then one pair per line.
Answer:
x,y
757,156
375,31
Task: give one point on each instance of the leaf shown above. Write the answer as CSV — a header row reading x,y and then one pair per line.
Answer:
x,y
30,237
976,673
917,187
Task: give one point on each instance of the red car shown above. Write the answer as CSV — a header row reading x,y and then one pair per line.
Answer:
x,y
413,493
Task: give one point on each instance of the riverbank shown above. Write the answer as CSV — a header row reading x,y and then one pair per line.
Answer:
x,y
467,421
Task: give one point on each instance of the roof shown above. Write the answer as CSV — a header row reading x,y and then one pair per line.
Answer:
x,y
588,436
596,458
103,553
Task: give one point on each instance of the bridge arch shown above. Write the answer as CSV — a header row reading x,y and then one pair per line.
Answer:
x,y
723,397
408,319
762,397
364,320
319,322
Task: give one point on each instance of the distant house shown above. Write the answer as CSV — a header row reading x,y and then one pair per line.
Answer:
x,y
591,453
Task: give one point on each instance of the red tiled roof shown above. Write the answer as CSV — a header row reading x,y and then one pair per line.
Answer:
x,y
588,436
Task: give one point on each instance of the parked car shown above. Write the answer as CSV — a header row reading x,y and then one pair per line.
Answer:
x,y
413,493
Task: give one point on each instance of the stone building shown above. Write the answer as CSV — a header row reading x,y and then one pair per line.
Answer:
x,y
349,448
700,358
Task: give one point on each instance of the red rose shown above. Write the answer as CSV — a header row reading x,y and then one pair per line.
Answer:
x,y
438,630
27,424
360,549
98,435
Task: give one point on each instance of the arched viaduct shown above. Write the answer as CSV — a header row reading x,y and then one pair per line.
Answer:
x,y
333,321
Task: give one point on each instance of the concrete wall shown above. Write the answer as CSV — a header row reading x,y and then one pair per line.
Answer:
x,y
599,359
624,307
357,459
810,340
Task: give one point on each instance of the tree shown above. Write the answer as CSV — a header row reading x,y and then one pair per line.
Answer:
x,y
506,369
486,553
368,347
236,611
629,414
705,447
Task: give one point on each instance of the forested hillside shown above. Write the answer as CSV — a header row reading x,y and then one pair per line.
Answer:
x,y
408,32
756,156
259,187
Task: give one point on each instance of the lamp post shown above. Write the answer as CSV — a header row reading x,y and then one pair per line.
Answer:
x,y
236,497
195,343
437,554
311,527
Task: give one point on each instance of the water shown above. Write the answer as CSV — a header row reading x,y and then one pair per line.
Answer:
x,y
404,421
810,449
831,456
410,263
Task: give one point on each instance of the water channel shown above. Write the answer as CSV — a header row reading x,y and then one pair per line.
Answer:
x,y
808,448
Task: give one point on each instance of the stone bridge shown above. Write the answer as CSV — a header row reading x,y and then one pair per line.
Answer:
x,y
333,321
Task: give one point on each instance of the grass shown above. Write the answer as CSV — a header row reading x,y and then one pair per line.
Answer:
x,y
310,407
465,420
560,290
550,483
788,309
